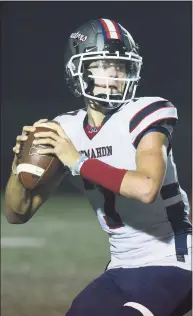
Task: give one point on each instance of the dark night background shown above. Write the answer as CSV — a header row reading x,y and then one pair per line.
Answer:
x,y
33,40
49,260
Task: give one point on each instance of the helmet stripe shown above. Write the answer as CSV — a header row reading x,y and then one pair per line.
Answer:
x,y
117,29
103,29
110,28
120,30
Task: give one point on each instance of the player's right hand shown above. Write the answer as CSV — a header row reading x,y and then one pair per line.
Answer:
x,y
21,138
24,136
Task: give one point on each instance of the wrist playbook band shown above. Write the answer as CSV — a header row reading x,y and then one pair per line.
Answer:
x,y
76,169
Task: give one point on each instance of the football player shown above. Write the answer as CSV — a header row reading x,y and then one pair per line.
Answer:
x,y
118,151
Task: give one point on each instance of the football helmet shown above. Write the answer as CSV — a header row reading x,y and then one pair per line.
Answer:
x,y
106,41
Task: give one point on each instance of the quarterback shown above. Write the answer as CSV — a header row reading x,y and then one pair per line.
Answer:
x,y
118,151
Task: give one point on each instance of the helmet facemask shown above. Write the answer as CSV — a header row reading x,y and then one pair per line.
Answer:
x,y
90,70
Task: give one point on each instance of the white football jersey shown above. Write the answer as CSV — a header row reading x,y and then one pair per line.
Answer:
x,y
139,234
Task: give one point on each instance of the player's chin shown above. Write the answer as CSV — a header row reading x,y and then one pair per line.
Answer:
x,y
105,109
95,105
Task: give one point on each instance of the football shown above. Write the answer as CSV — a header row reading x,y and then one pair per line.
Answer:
x,y
34,169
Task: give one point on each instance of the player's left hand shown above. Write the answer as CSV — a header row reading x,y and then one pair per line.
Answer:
x,y
61,144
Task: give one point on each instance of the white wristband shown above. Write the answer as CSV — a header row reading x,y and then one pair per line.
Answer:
x,y
76,170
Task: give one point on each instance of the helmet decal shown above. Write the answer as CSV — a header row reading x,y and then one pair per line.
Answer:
x,y
79,36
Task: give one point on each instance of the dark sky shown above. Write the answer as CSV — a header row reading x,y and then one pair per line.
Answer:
x,y
33,40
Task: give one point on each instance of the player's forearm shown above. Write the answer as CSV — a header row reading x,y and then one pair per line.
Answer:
x,y
132,184
17,201
138,186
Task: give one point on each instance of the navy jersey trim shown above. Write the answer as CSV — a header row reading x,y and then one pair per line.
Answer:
x,y
149,109
152,128
181,227
178,218
179,221
170,190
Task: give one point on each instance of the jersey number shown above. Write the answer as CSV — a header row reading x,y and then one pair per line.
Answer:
x,y
112,218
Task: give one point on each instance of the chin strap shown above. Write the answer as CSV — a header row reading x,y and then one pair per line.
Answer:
x,y
114,97
111,104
